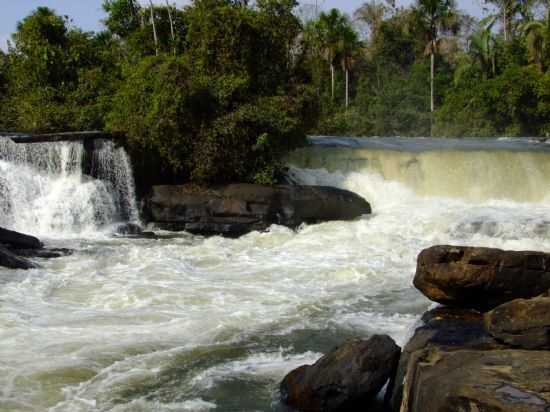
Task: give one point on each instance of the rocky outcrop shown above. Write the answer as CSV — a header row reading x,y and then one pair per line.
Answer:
x,y
481,278
344,379
15,247
17,240
461,359
443,329
481,381
12,261
236,209
522,323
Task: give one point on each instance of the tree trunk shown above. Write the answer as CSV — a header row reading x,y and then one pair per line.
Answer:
x,y
171,27
332,81
155,37
505,24
432,77
347,88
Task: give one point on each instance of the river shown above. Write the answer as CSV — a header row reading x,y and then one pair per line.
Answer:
x,y
185,323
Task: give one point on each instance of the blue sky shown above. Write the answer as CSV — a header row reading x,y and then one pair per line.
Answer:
x,y
87,14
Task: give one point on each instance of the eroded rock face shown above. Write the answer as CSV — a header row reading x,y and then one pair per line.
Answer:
x,y
233,210
478,381
523,323
480,278
344,379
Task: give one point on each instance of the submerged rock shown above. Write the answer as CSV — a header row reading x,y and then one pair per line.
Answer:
x,y
236,209
12,261
344,379
18,240
523,323
481,278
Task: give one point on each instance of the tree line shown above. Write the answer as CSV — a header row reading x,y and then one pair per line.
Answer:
x,y
431,69
220,90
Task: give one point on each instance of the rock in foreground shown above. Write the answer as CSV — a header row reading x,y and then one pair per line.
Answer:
x,y
481,278
523,323
482,381
236,209
344,379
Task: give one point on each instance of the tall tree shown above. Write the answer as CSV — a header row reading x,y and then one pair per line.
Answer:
x,y
437,16
330,28
349,45
537,34
371,14
508,9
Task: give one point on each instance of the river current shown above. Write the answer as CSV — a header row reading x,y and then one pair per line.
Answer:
x,y
185,323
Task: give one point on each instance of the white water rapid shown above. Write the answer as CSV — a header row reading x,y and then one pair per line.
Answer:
x,y
185,323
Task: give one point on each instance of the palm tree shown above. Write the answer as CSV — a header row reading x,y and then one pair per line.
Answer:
x,y
349,44
155,36
329,31
371,14
537,35
483,47
436,16
507,9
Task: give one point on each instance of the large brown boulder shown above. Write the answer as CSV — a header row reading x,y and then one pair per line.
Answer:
x,y
523,323
345,379
444,328
477,381
480,278
236,209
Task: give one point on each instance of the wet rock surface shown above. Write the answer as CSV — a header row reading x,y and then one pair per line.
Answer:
x,y
523,323
481,278
16,240
16,247
234,210
346,379
12,261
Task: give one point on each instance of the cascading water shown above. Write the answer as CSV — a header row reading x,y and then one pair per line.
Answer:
x,y
185,323
44,191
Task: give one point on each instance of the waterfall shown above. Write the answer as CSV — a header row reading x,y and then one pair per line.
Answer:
x,y
44,189
471,170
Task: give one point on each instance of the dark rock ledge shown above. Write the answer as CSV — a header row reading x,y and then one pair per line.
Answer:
x,y
488,351
16,248
236,209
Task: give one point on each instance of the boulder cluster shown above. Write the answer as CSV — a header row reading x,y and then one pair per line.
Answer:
x,y
486,349
16,248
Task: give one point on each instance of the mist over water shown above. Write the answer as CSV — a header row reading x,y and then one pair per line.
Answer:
x,y
185,323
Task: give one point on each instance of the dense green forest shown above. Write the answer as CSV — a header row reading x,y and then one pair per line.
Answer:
x,y
220,90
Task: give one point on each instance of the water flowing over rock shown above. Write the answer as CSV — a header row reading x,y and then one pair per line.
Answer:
x,y
64,187
236,209
345,379
480,278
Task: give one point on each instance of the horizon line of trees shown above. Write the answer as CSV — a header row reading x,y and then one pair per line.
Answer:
x,y
220,90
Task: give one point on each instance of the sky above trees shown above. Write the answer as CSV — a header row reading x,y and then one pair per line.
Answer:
x,y
88,14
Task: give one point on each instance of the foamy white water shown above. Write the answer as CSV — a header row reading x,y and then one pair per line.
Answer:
x,y
43,189
185,323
